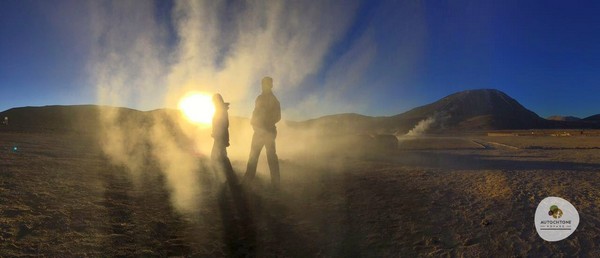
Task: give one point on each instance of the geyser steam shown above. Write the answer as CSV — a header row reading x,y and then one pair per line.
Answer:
x,y
421,127
139,60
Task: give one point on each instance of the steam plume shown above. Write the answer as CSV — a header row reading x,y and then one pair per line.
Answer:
x,y
421,127
219,46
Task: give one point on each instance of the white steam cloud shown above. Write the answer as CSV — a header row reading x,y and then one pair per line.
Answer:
x,y
421,127
437,120
217,46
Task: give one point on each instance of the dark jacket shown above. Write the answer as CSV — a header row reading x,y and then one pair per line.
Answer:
x,y
267,112
220,124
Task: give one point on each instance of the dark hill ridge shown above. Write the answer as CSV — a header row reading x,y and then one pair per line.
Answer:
x,y
593,118
76,118
51,118
471,110
84,118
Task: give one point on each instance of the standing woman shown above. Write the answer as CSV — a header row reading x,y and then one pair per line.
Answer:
x,y
220,129
220,134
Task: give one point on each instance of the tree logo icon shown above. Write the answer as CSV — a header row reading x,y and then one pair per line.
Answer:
x,y
555,212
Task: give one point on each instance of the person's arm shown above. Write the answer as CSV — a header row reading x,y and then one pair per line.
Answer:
x,y
277,112
226,129
254,119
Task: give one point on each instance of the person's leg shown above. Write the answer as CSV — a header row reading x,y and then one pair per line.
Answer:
x,y
273,160
215,158
228,170
255,149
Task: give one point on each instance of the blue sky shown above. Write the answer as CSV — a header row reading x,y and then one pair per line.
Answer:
x,y
371,57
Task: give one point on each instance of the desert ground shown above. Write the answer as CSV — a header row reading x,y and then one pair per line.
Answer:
x,y
442,196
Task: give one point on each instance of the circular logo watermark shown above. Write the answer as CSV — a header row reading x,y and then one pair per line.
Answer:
x,y
555,219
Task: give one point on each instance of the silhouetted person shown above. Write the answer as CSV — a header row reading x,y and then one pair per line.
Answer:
x,y
220,134
267,112
240,233
220,128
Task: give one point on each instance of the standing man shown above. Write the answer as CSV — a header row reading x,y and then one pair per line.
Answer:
x,y
267,112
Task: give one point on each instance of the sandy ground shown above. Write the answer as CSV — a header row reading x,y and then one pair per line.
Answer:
x,y
440,196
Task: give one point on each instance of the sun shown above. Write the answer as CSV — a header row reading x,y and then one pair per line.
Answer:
x,y
197,108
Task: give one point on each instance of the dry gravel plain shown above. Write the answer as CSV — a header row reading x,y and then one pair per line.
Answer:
x,y
468,196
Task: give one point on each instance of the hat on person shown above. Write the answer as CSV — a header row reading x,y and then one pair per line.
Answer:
x,y
218,100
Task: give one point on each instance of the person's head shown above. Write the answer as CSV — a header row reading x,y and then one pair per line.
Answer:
x,y
267,84
218,101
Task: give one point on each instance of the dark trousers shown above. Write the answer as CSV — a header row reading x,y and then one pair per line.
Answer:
x,y
266,139
221,163
219,151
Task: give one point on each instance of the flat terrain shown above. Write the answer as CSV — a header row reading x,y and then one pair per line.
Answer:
x,y
434,196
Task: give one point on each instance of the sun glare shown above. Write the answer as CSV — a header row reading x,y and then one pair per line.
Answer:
x,y
197,108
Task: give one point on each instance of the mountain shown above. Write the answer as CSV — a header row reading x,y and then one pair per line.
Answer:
x,y
484,109
471,110
594,118
563,118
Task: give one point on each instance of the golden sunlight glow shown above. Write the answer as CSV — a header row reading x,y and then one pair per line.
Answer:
x,y
197,107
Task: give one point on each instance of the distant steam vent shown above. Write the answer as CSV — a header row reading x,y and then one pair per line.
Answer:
x,y
421,127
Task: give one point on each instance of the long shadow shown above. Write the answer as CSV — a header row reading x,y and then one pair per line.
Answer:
x,y
274,212
479,162
238,224
352,237
324,180
118,204
142,223
164,225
